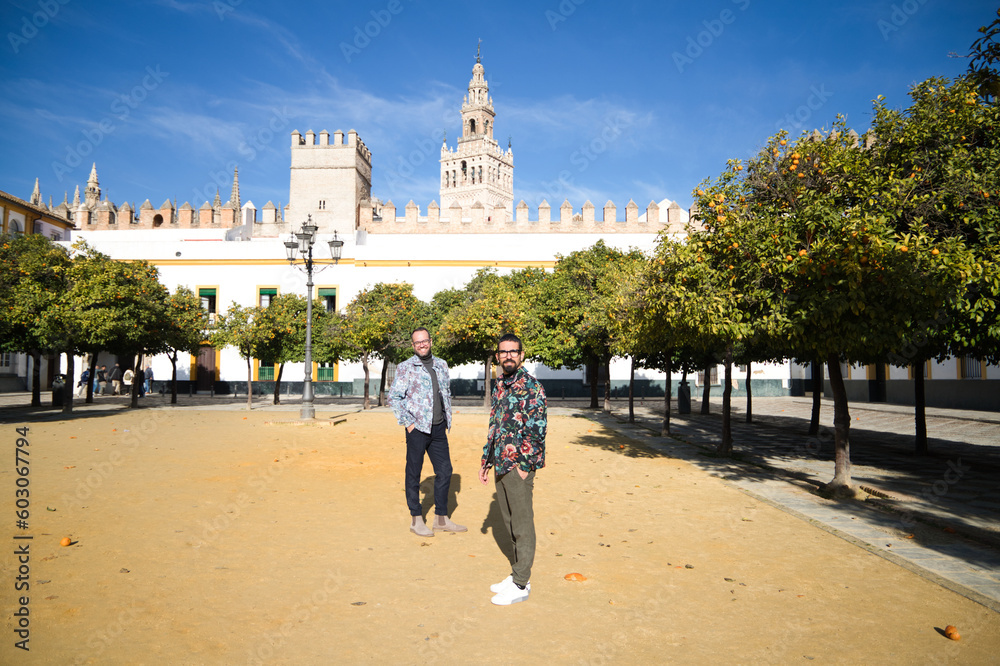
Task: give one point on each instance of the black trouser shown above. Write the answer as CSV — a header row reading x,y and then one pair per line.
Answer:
x,y
435,445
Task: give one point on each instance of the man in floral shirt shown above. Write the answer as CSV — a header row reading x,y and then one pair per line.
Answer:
x,y
420,398
515,448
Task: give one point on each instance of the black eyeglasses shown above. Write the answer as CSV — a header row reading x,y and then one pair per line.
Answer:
x,y
509,352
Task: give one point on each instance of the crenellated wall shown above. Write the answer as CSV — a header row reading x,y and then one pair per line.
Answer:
x,y
479,219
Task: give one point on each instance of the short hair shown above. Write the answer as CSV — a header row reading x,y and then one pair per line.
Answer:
x,y
417,330
510,337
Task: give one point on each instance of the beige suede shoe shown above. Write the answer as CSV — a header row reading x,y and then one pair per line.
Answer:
x,y
418,527
444,524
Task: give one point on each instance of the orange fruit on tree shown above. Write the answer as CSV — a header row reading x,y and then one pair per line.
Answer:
x,y
782,142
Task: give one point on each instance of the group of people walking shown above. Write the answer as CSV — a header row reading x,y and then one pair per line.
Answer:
x,y
420,398
115,382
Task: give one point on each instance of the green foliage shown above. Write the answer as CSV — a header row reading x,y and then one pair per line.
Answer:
x,y
186,322
33,274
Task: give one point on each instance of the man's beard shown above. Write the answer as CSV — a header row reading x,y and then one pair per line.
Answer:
x,y
508,371
424,357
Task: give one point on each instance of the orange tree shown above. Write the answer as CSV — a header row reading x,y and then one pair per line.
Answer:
x,y
572,310
33,274
184,329
489,306
938,168
242,327
109,305
651,318
374,326
842,282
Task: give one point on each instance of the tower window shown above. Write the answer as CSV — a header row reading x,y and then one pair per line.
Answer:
x,y
322,204
472,126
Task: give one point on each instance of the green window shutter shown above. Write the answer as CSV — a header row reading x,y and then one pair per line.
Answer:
x,y
206,292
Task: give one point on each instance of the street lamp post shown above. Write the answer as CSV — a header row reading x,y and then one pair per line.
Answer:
x,y
301,244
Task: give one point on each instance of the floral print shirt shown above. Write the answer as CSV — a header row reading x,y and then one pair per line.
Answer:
x,y
517,425
412,393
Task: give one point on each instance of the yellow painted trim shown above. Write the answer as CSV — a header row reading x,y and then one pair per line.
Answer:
x,y
358,263
982,371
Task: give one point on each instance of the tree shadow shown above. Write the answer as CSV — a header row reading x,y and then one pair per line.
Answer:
x,y
942,501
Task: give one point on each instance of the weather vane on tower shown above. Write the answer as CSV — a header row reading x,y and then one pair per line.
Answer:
x,y
479,48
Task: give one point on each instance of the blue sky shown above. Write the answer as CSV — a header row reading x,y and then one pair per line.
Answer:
x,y
619,101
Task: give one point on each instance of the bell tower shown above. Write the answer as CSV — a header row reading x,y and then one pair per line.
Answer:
x,y
478,169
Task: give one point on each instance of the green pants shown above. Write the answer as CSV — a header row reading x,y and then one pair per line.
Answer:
x,y
514,496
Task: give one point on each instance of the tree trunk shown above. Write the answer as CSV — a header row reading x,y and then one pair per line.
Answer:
x,y
919,411
173,378
726,445
667,390
90,382
840,486
36,378
277,384
707,389
487,382
631,392
592,363
817,384
68,388
749,395
249,384
381,383
364,364
607,386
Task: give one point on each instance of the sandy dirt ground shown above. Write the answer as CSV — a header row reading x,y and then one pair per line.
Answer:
x,y
225,537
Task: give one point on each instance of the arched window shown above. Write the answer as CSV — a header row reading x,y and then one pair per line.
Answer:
x,y
472,126
464,172
158,220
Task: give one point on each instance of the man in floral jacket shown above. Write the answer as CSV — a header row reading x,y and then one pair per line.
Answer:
x,y
420,398
515,448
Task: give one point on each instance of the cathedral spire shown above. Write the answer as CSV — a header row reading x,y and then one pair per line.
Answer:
x,y
36,195
235,195
92,195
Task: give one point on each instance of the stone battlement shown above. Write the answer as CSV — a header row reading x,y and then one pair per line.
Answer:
x,y
309,140
478,219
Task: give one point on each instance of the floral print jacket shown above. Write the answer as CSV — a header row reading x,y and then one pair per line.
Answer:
x,y
412,393
517,425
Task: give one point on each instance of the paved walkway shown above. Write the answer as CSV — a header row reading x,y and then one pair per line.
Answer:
x,y
937,515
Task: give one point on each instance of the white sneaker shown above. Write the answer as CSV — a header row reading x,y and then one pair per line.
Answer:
x,y
496,587
509,580
511,594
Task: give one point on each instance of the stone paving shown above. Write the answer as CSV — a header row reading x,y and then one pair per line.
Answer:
x,y
937,515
